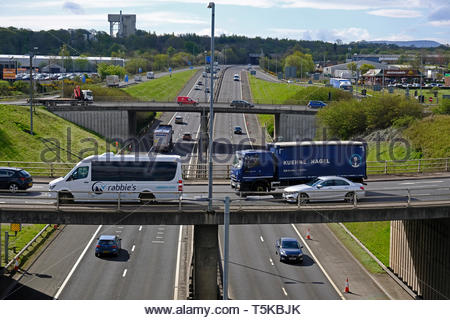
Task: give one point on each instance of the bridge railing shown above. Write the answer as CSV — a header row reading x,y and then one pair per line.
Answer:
x,y
222,171
198,201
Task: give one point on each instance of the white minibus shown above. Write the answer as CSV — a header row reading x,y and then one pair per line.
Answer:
x,y
140,177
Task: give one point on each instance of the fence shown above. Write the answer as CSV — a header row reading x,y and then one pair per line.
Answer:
x,y
222,171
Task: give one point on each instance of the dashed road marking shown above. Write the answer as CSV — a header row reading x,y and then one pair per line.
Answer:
x,y
271,261
157,241
132,248
124,273
158,237
284,291
140,228
262,239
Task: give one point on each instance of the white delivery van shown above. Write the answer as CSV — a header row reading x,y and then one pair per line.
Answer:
x,y
150,75
134,177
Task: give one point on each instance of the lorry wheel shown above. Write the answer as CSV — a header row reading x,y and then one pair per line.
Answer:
x,y
349,197
261,188
303,198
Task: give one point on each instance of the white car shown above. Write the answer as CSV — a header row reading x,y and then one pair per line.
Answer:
x,y
327,188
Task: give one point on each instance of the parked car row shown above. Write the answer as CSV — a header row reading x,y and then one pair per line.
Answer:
x,y
53,76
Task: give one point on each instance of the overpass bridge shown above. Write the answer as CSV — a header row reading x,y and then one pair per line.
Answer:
x,y
420,230
116,120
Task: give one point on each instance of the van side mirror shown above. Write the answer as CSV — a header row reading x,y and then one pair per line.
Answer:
x,y
319,186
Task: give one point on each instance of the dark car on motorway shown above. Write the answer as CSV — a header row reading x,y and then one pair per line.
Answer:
x,y
289,250
241,104
187,136
14,179
108,244
237,130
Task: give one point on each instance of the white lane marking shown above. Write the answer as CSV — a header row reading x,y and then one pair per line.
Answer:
x,y
157,241
120,227
140,228
432,181
284,291
318,263
408,183
132,248
271,261
118,231
76,264
124,273
262,239
423,194
159,232
161,228
177,266
159,237
2,202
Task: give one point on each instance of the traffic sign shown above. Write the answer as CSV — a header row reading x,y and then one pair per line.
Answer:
x,y
208,59
83,79
126,78
170,69
430,99
16,227
140,70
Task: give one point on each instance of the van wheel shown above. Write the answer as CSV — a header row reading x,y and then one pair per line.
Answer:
x,y
349,197
13,187
65,197
147,197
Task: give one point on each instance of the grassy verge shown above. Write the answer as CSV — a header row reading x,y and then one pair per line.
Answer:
x,y
18,242
375,239
54,139
162,89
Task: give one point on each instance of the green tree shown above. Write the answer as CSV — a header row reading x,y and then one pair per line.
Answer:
x,y
67,60
303,62
104,69
366,67
133,65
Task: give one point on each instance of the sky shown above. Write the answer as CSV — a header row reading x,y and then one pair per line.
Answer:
x,y
325,20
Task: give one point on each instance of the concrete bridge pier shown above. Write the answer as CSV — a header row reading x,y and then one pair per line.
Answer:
x,y
420,256
295,127
204,137
205,262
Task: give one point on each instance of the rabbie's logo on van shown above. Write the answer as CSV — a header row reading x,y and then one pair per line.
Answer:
x,y
100,187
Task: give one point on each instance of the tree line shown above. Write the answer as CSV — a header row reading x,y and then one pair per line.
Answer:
x,y
150,51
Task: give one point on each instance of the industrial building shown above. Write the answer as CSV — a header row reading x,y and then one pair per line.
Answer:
x,y
126,24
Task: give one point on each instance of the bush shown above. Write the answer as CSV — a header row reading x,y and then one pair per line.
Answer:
x,y
4,88
104,70
443,108
345,119
23,86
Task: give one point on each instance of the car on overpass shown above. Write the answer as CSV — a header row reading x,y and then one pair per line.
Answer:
x,y
316,104
108,244
14,179
241,104
186,100
326,188
289,250
187,136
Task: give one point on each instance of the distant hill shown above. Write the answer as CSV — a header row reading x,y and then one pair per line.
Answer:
x,y
416,43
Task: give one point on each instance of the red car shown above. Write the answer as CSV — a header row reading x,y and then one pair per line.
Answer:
x,y
186,100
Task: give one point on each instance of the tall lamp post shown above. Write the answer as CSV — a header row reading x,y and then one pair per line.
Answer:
x,y
211,5
32,54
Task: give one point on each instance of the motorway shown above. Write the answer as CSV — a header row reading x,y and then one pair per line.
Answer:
x,y
147,268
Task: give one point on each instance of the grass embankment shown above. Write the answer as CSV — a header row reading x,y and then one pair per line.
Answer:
x,y
374,235
162,89
16,144
265,92
54,139
17,243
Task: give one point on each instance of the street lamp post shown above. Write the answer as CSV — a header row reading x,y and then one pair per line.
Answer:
x,y
211,5
31,89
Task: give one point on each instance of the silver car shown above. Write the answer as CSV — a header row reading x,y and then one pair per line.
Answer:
x,y
327,188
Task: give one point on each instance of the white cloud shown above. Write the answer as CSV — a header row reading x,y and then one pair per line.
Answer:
x,y
396,13
329,35
440,23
